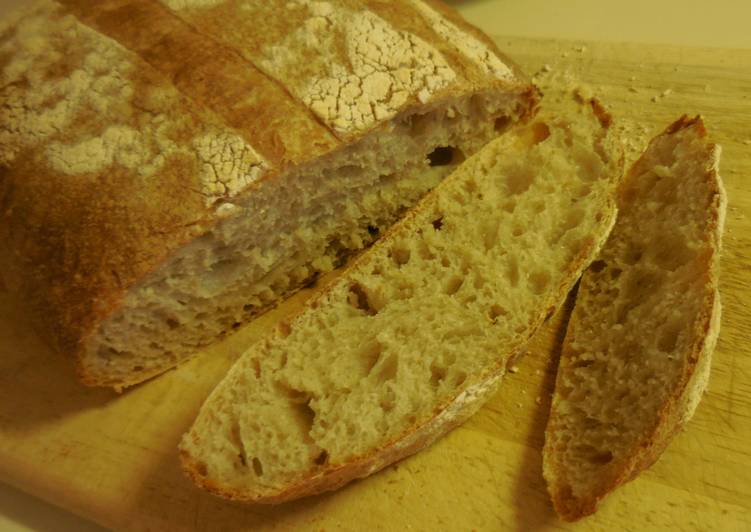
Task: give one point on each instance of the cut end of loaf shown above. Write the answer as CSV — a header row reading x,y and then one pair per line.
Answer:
x,y
637,352
411,338
289,230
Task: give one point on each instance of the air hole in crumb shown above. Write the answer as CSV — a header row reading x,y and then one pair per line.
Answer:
x,y
388,368
470,185
669,338
582,363
459,198
172,323
305,415
489,235
459,377
502,123
137,368
358,298
437,223
509,206
236,325
519,179
322,458
453,285
311,281
437,375
539,281
633,255
257,467
370,355
387,405
293,395
601,458
256,367
540,132
512,271
445,262
425,252
495,311
518,231
400,255
597,266
373,231
445,155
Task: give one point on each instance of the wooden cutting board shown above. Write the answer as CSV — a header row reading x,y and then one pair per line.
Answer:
x,y
113,458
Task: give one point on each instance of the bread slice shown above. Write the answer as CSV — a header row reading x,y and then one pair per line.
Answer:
x,y
636,356
413,337
168,171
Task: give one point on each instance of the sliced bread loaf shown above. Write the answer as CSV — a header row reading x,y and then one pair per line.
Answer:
x,y
636,356
411,338
170,169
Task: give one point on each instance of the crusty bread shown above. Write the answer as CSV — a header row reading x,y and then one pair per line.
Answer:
x,y
168,170
636,356
416,333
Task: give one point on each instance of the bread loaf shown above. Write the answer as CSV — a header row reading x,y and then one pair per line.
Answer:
x,y
170,169
413,337
637,352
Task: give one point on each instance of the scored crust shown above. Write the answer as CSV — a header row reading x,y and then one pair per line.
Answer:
x,y
677,408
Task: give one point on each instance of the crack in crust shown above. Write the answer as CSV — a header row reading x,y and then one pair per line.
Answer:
x,y
380,68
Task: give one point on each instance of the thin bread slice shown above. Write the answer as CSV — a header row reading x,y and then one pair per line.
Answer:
x,y
411,339
637,352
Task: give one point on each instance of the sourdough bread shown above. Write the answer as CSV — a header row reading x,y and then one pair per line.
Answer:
x,y
637,352
170,169
413,337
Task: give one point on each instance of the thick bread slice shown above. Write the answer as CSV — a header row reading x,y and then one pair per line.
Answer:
x,y
415,335
637,351
169,170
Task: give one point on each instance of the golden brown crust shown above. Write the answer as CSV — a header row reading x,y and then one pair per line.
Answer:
x,y
679,407
74,257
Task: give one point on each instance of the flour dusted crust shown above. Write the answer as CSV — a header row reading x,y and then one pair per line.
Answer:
x,y
105,168
127,126
365,61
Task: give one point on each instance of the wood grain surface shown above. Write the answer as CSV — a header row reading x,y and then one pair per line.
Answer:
x,y
113,458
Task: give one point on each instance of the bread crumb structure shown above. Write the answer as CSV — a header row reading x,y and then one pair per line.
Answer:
x,y
411,338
